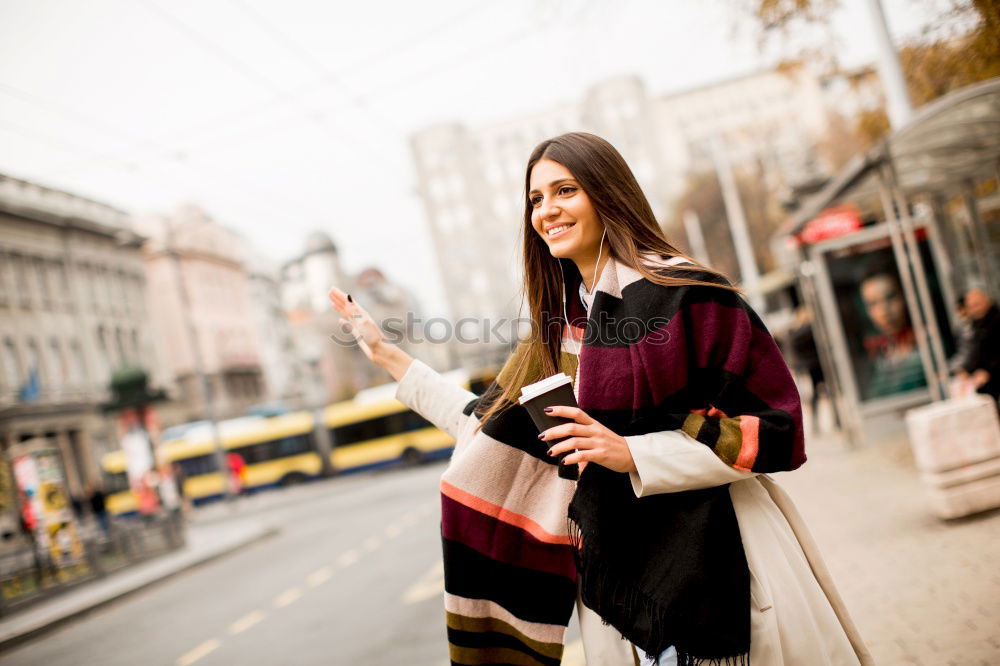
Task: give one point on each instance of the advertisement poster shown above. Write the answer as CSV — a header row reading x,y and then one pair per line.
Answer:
x,y
877,322
150,479
48,511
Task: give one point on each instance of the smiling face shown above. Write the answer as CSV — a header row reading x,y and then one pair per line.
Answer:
x,y
562,214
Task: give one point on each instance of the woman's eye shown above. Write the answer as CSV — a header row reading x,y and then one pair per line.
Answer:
x,y
535,200
567,189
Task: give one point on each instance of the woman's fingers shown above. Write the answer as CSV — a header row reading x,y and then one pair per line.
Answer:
x,y
568,412
356,321
584,456
565,430
571,444
339,300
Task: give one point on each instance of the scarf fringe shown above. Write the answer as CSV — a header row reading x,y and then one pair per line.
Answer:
x,y
622,602
684,659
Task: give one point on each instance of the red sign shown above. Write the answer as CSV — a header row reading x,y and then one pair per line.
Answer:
x,y
831,223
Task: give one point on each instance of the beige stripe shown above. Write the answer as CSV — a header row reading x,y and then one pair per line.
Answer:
x,y
543,633
479,625
510,478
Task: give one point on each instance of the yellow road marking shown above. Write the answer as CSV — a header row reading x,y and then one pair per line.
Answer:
x,y
246,622
202,650
371,543
409,518
393,530
348,558
319,577
287,597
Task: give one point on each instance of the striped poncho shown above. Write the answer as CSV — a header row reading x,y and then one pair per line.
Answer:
x,y
651,358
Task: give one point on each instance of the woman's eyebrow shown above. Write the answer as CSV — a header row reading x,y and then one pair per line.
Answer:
x,y
552,184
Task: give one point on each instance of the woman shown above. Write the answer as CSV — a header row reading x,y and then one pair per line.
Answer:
x,y
672,546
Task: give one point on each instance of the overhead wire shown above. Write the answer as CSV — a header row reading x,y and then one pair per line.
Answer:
x,y
173,154
280,97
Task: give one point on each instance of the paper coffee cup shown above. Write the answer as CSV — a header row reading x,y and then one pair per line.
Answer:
x,y
554,391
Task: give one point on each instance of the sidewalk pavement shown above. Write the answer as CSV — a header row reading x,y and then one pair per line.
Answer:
x,y
205,542
920,589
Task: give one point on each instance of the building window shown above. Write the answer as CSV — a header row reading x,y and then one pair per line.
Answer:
x,y
20,267
123,358
108,278
57,364
35,363
12,370
3,279
44,289
104,354
79,370
62,280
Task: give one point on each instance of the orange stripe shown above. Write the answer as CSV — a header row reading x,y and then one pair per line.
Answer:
x,y
573,332
716,413
502,514
750,436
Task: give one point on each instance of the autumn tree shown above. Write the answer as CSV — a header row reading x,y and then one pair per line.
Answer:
x,y
959,47
703,195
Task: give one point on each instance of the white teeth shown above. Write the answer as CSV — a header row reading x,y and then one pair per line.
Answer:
x,y
555,230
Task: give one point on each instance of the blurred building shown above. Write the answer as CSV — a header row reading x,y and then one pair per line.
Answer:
x,y
285,372
73,309
337,368
471,180
304,282
197,270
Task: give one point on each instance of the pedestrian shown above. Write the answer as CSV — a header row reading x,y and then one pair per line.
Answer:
x,y
806,355
674,545
180,478
237,473
97,499
964,338
982,365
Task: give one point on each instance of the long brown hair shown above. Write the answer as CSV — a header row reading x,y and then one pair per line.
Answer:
x,y
631,230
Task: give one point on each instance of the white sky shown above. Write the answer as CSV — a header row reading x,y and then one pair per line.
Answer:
x,y
281,117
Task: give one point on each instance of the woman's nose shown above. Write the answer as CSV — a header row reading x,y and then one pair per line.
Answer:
x,y
549,210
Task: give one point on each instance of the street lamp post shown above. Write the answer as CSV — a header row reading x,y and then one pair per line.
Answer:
x,y
737,223
898,104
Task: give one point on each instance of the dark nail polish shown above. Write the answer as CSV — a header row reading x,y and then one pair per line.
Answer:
x,y
550,452
349,298
541,435
547,410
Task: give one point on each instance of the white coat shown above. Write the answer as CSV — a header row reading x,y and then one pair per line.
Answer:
x,y
797,616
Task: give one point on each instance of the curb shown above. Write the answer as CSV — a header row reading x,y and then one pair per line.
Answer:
x,y
16,637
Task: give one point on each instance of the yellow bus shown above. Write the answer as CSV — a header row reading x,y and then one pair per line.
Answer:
x,y
371,430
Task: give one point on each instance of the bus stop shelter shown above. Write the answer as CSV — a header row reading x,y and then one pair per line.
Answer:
x,y
883,252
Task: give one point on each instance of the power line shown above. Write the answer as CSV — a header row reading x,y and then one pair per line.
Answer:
x,y
440,67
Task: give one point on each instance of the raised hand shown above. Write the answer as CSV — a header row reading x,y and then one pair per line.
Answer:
x,y
357,321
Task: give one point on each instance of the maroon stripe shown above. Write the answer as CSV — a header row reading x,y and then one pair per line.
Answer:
x,y
503,542
717,323
632,377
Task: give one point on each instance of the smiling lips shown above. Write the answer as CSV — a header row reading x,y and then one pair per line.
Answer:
x,y
558,230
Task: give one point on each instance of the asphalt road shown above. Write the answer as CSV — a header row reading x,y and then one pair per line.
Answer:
x,y
353,577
